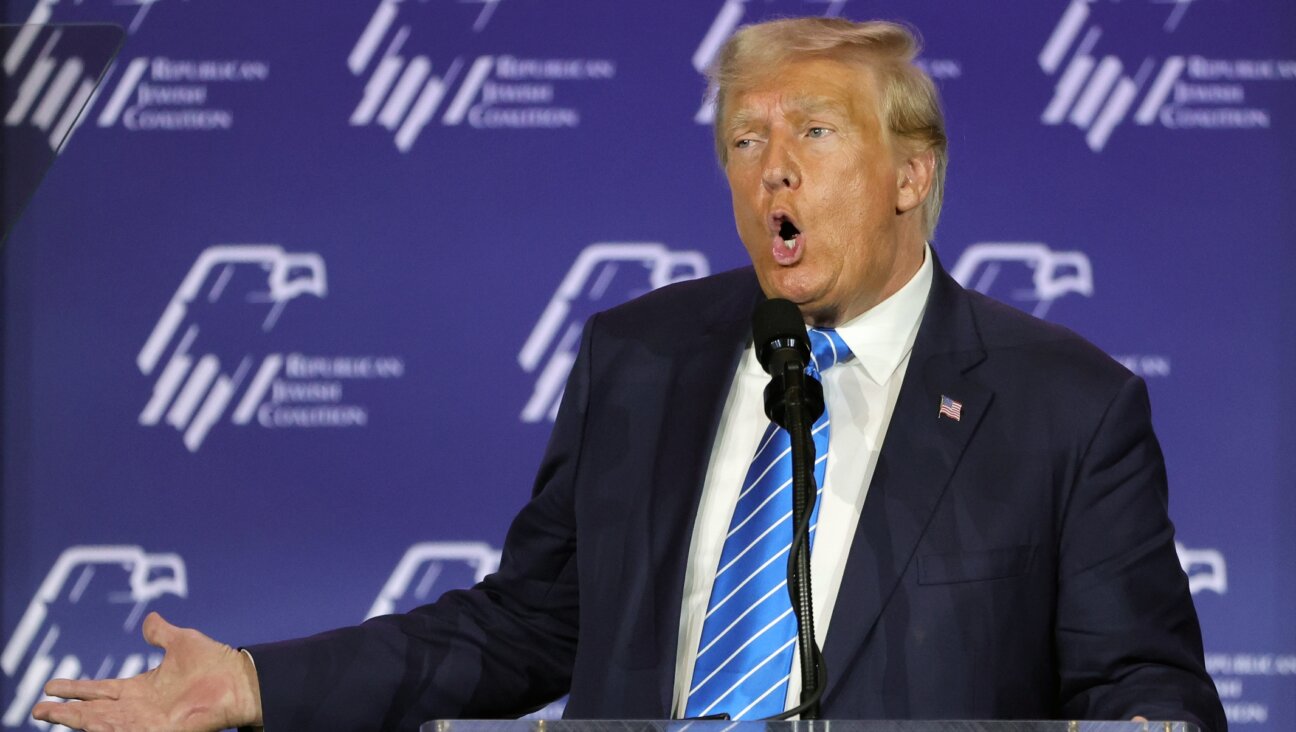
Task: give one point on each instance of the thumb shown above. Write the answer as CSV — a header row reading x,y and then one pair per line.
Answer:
x,y
159,632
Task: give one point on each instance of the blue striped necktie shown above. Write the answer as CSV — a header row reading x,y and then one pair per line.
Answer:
x,y
744,658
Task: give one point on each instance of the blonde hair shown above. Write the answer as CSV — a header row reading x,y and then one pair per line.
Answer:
x,y
910,105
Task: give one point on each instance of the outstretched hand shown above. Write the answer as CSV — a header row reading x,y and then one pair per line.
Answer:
x,y
201,684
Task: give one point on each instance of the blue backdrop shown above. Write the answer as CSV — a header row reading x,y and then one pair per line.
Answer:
x,y
294,264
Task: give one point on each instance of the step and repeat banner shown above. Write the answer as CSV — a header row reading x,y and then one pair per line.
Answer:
x,y
287,322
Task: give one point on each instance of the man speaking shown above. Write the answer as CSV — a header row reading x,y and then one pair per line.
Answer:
x,y
991,538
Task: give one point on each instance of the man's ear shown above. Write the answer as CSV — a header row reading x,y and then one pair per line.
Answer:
x,y
914,180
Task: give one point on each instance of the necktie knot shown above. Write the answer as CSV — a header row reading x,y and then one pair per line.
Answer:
x,y
827,349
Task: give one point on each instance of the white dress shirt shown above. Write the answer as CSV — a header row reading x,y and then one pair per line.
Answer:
x,y
860,396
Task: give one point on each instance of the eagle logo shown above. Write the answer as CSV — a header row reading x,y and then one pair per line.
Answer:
x,y
429,569
83,621
1029,275
232,296
603,275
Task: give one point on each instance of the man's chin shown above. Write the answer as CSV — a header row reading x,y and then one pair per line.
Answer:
x,y
815,310
793,286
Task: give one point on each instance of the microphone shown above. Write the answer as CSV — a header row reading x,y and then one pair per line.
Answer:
x,y
783,349
780,335
793,401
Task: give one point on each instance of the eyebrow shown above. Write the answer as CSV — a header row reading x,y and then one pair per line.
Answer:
x,y
805,104
741,118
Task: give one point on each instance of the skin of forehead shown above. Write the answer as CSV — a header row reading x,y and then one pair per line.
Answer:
x,y
848,85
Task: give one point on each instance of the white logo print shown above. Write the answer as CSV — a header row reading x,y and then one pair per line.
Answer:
x,y
82,621
193,395
603,275
414,98
168,94
1205,569
1053,273
404,93
429,569
49,99
150,94
56,110
1096,95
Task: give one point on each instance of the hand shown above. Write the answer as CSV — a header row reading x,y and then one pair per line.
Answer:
x,y
200,685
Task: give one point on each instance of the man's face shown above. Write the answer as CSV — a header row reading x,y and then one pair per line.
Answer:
x,y
816,189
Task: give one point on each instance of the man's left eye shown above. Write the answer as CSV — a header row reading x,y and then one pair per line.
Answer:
x,y
818,132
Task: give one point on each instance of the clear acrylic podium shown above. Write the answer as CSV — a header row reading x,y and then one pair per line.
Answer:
x,y
542,725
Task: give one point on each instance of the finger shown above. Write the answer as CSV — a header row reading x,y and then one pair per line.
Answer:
x,y
89,716
68,715
84,689
158,632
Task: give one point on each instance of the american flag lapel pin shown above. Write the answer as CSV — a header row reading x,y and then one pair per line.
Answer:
x,y
950,408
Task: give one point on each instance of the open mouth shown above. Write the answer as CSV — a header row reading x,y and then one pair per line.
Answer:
x,y
784,227
788,233
787,240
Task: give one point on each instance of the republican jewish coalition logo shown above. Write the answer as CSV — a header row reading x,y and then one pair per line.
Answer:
x,y
1176,91
213,350
603,275
148,93
193,391
406,91
83,622
997,268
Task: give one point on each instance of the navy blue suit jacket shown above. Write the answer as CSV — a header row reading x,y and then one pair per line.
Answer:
x,y
1016,563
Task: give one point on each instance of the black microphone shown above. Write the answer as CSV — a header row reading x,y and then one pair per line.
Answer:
x,y
780,335
783,349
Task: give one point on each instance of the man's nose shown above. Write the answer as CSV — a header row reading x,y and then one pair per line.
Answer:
x,y
781,169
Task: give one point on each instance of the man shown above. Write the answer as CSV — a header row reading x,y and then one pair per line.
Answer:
x,y
991,541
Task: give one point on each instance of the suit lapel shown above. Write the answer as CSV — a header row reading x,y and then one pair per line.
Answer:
x,y
918,457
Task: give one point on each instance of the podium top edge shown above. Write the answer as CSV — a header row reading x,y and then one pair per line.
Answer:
x,y
678,725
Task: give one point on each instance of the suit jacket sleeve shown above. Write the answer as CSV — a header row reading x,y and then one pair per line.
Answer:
x,y
1127,634
503,648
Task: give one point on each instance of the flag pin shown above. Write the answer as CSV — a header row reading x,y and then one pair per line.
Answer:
x,y
950,408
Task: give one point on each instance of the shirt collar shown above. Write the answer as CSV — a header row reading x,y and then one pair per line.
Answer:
x,y
882,336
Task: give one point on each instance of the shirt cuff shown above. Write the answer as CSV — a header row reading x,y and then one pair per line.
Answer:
x,y
252,661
